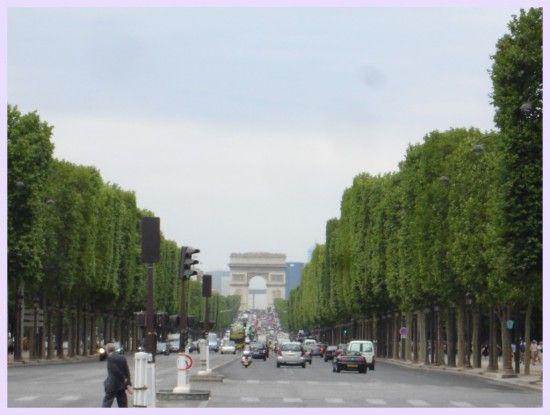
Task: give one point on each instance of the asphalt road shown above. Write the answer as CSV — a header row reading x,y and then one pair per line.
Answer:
x,y
81,384
264,385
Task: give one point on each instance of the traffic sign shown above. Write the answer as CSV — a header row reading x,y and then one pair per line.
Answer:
x,y
403,331
510,324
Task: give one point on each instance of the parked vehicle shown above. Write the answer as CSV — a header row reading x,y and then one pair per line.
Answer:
x,y
228,347
365,348
162,348
350,361
259,350
291,353
174,346
329,353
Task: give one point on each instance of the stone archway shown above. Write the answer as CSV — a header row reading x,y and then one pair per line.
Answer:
x,y
271,267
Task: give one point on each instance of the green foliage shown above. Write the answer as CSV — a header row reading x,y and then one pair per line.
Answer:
x,y
75,239
517,97
29,157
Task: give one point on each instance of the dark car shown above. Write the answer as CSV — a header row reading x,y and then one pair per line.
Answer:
x,y
349,361
329,353
316,349
193,347
259,350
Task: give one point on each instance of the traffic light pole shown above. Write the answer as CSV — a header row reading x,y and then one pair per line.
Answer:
x,y
150,327
183,316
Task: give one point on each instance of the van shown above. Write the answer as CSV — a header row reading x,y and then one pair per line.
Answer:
x,y
366,348
213,343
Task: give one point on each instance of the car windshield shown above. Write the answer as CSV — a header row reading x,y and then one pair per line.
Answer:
x,y
360,347
289,347
230,343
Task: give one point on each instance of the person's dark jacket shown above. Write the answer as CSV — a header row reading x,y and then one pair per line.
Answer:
x,y
118,376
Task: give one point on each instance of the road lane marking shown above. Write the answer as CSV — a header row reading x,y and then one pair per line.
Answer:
x,y
334,400
312,382
292,400
285,382
373,401
249,399
252,381
69,398
461,404
27,398
506,405
417,402
343,383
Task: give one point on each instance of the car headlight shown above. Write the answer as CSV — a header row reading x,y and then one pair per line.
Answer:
x,y
101,350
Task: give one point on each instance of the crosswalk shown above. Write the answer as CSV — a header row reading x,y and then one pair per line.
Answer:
x,y
299,401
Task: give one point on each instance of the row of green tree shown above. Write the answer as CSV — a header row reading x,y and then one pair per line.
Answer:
x,y
74,240
460,222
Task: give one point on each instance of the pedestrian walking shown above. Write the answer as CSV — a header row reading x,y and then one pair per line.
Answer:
x,y
118,379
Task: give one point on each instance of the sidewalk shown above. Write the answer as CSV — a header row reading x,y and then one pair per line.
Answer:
x,y
533,381
53,361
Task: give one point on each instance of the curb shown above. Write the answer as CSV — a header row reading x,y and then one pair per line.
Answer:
x,y
468,373
45,362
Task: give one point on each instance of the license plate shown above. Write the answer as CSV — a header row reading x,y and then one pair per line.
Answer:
x,y
352,366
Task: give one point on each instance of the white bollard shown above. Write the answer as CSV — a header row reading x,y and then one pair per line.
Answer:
x,y
183,385
151,382
140,379
205,358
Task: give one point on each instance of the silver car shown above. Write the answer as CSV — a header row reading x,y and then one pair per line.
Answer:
x,y
291,353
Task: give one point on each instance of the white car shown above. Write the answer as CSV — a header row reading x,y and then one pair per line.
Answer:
x,y
228,347
291,353
366,348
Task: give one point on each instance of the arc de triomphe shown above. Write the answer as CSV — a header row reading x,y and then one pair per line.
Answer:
x,y
271,267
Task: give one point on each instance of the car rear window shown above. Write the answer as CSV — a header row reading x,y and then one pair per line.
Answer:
x,y
290,348
360,347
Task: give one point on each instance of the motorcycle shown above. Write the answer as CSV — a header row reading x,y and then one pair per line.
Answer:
x,y
246,360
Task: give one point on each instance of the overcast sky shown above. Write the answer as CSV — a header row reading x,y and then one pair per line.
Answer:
x,y
241,128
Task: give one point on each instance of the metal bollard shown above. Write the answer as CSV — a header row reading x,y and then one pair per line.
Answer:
x,y
151,382
140,379
205,357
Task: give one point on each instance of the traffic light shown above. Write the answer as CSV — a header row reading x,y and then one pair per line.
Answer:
x,y
187,261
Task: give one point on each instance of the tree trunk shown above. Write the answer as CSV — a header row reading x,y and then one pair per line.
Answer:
x,y
72,333
395,335
415,339
422,340
504,316
59,332
450,328
78,329
527,353
408,339
493,352
375,334
439,355
476,345
85,332
48,316
92,333
461,334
